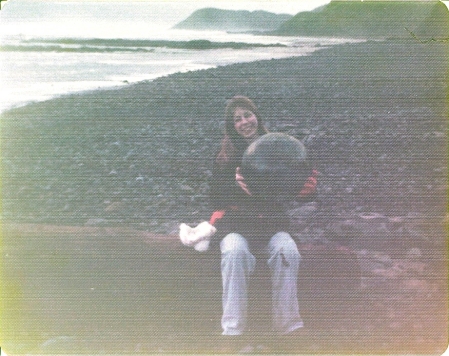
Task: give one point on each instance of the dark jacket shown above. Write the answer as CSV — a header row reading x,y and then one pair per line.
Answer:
x,y
255,219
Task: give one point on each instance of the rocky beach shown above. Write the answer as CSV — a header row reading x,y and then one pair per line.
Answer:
x,y
100,181
373,117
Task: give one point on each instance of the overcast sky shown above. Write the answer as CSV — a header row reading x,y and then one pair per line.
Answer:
x,y
277,6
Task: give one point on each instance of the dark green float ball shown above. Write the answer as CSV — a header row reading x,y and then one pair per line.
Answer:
x,y
275,166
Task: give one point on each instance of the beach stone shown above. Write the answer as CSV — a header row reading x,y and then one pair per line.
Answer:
x,y
415,284
114,207
414,253
410,267
301,215
345,231
383,258
388,273
60,344
372,216
185,187
96,222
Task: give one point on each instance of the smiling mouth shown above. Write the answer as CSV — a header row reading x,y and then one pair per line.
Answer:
x,y
248,129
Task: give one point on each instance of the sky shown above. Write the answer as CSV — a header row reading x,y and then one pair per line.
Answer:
x,y
277,6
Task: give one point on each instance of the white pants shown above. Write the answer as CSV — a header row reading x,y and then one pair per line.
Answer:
x,y
237,265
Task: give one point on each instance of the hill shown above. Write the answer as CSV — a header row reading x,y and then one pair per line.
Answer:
x,y
229,20
425,19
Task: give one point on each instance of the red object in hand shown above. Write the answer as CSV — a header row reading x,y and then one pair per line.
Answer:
x,y
310,185
216,215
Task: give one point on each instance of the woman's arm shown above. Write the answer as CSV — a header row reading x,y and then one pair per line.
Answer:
x,y
223,190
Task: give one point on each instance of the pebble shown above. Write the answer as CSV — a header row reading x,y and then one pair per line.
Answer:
x,y
414,253
112,207
96,222
60,344
420,285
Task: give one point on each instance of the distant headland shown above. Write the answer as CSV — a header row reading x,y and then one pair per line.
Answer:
x,y
230,20
355,19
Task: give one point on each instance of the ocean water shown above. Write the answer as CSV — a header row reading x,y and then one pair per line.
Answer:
x,y
48,49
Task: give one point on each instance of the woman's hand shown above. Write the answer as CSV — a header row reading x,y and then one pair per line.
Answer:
x,y
241,181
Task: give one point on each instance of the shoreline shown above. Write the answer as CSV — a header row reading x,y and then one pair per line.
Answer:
x,y
110,85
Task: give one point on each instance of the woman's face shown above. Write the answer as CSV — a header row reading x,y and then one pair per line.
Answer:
x,y
245,123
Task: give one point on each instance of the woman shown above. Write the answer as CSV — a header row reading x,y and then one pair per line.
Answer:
x,y
250,227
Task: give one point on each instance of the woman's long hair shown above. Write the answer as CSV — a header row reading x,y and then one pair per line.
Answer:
x,y
233,145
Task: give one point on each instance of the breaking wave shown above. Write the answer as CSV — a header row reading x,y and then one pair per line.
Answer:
x,y
123,45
